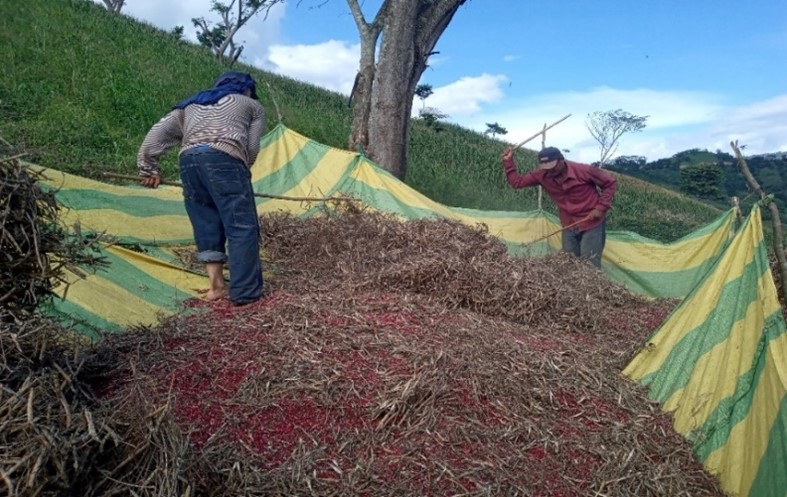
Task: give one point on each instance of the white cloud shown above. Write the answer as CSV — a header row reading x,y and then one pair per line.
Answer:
x,y
466,96
762,126
678,120
332,64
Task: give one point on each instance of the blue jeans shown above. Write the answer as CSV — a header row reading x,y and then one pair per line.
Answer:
x,y
220,204
586,244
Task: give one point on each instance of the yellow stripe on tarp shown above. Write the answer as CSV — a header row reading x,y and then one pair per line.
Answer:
x,y
109,301
715,375
174,276
513,229
668,258
277,154
688,316
738,460
120,224
64,181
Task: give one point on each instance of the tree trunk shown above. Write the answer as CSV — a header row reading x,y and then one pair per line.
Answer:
x,y
114,5
410,29
361,96
393,90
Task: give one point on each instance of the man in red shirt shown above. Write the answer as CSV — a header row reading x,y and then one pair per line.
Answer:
x,y
582,193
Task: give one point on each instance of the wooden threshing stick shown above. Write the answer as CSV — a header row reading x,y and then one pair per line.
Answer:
x,y
265,195
543,131
555,232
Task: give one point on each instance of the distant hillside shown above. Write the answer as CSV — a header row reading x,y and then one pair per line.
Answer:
x,y
81,86
770,171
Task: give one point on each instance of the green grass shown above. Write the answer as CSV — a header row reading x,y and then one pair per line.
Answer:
x,y
80,87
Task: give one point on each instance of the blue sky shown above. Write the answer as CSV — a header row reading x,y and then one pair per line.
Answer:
x,y
705,72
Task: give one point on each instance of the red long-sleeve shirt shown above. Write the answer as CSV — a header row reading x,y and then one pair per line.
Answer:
x,y
576,192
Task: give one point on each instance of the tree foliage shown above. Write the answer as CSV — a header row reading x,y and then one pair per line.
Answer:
x,y
609,126
220,37
114,5
495,129
424,91
431,117
702,181
177,32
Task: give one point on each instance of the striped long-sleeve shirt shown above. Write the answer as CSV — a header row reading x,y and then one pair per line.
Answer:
x,y
233,125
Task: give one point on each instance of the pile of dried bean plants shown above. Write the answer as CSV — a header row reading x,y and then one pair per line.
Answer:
x,y
56,436
388,358
418,358
34,247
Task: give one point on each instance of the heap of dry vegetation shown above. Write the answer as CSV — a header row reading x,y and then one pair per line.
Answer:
x,y
34,247
56,437
388,358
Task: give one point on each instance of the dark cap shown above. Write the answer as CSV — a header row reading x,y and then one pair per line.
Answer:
x,y
549,154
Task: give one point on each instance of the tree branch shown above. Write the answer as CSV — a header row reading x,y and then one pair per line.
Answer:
x,y
114,5
778,236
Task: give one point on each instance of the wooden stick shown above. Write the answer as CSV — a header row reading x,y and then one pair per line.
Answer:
x,y
13,157
265,195
555,232
543,131
778,235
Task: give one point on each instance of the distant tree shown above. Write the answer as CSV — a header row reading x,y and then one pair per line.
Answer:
x,y
627,163
384,89
432,117
423,92
607,127
703,180
177,32
639,160
114,5
495,129
220,38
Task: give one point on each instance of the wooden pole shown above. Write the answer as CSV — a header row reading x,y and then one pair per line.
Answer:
x,y
543,131
264,195
778,236
540,188
555,232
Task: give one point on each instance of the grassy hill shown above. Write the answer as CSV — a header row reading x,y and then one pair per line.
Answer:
x,y
80,87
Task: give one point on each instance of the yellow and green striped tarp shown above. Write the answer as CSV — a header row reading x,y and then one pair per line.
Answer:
x,y
290,164
719,362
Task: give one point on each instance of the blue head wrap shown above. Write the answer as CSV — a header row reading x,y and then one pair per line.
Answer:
x,y
229,82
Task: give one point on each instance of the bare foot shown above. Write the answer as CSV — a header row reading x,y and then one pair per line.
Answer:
x,y
217,294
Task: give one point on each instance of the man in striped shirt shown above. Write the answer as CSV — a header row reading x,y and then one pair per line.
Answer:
x,y
218,131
